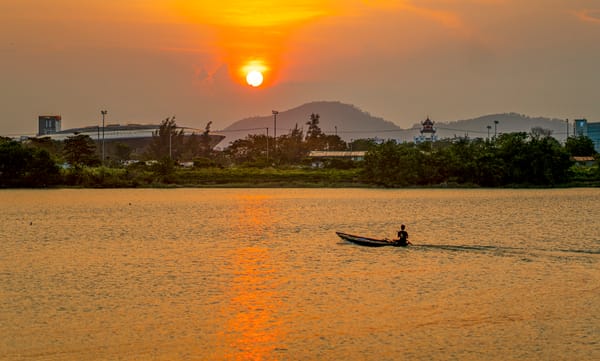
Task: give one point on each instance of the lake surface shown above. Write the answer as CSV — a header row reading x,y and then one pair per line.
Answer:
x,y
259,274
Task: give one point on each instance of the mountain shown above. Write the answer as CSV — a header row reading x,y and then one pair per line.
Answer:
x,y
350,122
346,120
507,123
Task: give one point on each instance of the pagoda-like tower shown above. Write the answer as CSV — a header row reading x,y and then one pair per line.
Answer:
x,y
427,132
428,127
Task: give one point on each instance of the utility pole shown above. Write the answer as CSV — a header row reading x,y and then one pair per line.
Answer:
x,y
103,112
275,112
267,145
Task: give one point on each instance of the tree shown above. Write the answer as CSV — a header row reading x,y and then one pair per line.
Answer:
x,y
549,163
580,146
25,167
205,147
392,165
80,150
167,141
122,152
361,144
315,138
54,147
291,148
513,149
251,149
334,142
539,132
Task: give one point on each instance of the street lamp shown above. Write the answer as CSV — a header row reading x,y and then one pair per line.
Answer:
x,y
495,128
103,112
567,128
275,112
489,127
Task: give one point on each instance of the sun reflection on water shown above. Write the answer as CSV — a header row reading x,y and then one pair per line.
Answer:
x,y
253,330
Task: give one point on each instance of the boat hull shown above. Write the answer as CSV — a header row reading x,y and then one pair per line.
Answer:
x,y
364,241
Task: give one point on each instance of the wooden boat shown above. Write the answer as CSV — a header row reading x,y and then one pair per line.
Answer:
x,y
364,241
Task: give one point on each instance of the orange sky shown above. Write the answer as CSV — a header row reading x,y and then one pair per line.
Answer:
x,y
144,60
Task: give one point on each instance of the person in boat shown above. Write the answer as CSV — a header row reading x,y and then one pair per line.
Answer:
x,y
402,240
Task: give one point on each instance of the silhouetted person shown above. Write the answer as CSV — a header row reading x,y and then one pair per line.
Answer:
x,y
402,240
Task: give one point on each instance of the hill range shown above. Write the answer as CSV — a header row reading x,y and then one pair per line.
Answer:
x,y
350,122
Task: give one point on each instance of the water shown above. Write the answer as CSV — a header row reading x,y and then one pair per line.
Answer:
x,y
259,274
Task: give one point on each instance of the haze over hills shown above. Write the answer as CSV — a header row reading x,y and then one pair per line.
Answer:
x,y
346,120
350,122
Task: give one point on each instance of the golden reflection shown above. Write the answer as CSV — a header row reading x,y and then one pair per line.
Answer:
x,y
254,216
252,330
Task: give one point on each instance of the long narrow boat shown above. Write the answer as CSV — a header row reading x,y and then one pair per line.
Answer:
x,y
364,241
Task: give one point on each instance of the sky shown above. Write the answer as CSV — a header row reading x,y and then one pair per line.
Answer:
x,y
145,60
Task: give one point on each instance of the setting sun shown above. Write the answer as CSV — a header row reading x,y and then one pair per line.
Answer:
x,y
254,72
254,78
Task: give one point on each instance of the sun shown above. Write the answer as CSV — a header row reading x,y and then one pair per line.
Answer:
x,y
254,78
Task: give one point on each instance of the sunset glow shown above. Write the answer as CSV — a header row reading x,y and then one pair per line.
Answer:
x,y
398,59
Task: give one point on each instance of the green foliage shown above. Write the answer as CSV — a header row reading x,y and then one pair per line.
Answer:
x,y
80,150
361,144
251,149
392,165
511,159
26,167
580,146
267,177
167,141
341,164
122,152
164,169
104,177
291,148
53,147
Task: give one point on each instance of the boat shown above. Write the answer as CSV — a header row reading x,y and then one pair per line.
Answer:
x,y
364,241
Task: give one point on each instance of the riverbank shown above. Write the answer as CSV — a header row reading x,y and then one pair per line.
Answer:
x,y
248,177
102,177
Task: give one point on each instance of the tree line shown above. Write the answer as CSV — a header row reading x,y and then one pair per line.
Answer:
x,y
534,158
509,159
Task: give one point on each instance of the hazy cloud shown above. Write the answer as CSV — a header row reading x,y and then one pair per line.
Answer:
x,y
589,15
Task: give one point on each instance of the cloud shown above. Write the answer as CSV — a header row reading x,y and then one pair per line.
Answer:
x,y
587,15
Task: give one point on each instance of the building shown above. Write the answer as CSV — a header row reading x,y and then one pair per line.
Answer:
x,y
48,124
427,132
590,130
319,157
136,136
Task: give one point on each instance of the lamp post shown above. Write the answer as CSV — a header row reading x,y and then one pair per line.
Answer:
x,y
567,128
103,112
267,145
495,128
489,127
275,112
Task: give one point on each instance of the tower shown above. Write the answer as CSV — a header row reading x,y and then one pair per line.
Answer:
x,y
427,132
48,124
